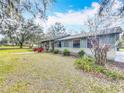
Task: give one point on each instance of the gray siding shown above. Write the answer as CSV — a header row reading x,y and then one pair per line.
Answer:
x,y
70,43
103,39
83,43
109,39
62,43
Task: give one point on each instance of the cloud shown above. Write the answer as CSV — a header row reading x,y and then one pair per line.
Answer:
x,y
74,21
71,17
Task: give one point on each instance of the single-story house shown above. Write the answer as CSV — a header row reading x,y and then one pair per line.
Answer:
x,y
75,43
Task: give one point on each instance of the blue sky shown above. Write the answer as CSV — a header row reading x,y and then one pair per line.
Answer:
x,y
77,5
71,13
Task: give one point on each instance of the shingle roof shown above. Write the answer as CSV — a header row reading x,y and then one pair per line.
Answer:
x,y
102,32
53,38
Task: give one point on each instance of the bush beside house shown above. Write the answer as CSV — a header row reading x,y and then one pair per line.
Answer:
x,y
66,52
81,53
56,51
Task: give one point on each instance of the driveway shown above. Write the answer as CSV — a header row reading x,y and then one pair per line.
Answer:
x,y
119,57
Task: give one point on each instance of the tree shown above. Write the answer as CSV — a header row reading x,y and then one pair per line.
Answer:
x,y
114,9
36,37
107,7
15,9
12,13
95,25
27,32
9,8
107,17
56,31
22,31
4,41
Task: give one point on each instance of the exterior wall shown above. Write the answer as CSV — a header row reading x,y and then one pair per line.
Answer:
x,y
83,43
70,44
111,54
109,39
50,45
105,39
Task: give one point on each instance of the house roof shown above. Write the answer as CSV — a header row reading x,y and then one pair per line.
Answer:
x,y
50,38
98,33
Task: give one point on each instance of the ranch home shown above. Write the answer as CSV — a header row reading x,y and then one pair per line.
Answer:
x,y
75,43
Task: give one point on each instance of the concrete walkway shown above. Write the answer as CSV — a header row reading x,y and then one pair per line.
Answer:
x,y
119,57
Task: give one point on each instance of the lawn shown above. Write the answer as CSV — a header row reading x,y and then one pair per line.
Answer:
x,y
48,73
122,49
11,47
6,51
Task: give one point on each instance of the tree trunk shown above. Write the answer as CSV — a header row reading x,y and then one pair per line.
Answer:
x,y
100,56
21,45
52,45
47,46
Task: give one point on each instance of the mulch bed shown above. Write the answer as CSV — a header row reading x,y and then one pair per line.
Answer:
x,y
119,64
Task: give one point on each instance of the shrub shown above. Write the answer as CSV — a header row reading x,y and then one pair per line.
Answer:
x,y
66,52
113,74
85,63
51,51
99,69
56,51
81,53
40,50
35,49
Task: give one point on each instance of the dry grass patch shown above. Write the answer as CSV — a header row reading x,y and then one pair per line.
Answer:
x,y
47,73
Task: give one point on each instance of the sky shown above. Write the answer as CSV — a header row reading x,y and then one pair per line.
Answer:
x,y
71,13
64,6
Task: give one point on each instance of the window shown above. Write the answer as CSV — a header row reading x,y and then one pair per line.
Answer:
x,y
60,44
76,43
89,45
92,41
66,43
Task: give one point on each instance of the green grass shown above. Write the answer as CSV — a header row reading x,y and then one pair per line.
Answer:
x,y
11,47
15,50
47,73
9,62
122,49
